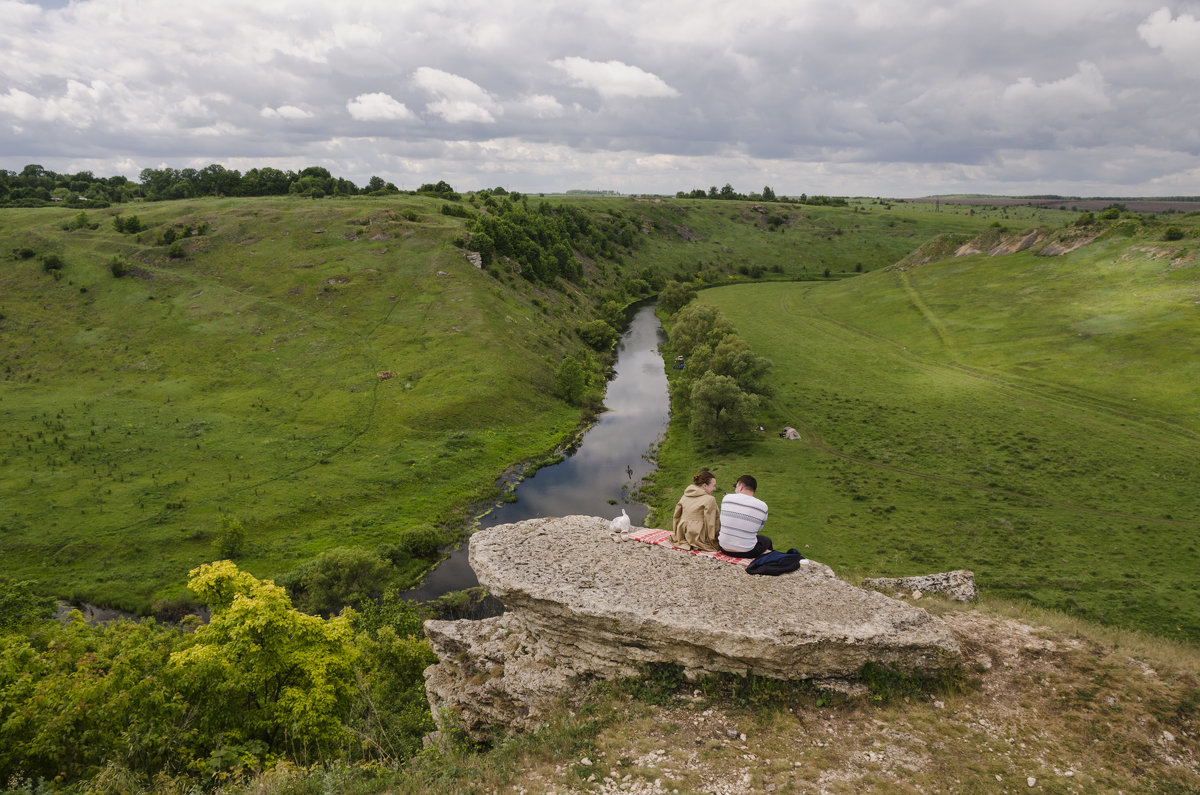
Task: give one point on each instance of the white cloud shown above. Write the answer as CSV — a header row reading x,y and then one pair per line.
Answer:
x,y
459,99
1080,94
541,106
614,79
1178,38
378,107
289,112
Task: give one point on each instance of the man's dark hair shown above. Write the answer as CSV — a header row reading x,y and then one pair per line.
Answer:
x,y
749,482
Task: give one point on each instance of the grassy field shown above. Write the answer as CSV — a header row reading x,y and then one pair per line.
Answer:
x,y
251,378
1033,418
328,373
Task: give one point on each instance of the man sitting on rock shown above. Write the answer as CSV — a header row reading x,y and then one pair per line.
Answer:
x,y
742,516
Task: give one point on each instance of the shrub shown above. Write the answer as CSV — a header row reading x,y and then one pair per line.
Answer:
x,y
118,267
420,541
1173,233
177,251
52,262
20,605
231,538
338,577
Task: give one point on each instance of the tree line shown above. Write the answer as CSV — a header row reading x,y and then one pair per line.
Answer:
x,y
35,186
767,194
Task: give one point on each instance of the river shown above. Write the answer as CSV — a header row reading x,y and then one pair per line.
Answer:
x,y
605,468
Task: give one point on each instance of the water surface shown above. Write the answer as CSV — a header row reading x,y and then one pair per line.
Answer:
x,y
609,462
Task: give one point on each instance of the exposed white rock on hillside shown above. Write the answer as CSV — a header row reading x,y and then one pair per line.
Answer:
x,y
581,606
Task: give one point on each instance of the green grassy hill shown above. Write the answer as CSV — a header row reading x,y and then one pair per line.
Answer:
x,y
1033,418
326,372
329,373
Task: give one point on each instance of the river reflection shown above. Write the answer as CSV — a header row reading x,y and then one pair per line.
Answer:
x,y
606,466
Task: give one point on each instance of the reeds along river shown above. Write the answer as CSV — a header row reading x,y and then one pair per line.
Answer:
x,y
606,466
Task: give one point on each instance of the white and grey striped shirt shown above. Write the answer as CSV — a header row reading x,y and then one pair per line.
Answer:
x,y
742,519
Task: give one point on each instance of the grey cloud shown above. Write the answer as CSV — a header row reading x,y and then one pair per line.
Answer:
x,y
987,96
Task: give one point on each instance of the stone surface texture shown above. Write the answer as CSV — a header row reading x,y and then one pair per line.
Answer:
x,y
958,585
582,607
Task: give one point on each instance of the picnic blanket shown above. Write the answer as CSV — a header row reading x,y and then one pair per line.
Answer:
x,y
662,538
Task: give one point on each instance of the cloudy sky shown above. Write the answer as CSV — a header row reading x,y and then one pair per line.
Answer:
x,y
845,97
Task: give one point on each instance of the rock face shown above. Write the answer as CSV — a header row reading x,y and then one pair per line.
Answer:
x,y
582,607
958,585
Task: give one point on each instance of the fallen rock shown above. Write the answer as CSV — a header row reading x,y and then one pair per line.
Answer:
x,y
581,607
958,585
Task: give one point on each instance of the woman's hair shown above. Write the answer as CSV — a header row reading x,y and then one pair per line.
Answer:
x,y
702,477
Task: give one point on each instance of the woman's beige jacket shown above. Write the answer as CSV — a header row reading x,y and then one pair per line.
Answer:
x,y
697,520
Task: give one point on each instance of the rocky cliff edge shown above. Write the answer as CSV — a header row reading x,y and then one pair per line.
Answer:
x,y
582,607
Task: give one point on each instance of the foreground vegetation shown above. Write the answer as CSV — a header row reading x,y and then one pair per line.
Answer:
x,y
1044,702
1033,418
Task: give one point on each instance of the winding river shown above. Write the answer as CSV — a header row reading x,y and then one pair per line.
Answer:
x,y
610,461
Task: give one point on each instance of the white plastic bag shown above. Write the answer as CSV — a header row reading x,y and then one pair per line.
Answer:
x,y
620,524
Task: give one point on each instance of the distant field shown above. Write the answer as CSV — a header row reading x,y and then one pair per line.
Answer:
x,y
1035,419
1073,205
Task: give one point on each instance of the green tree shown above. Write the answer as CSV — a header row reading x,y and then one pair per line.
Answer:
x,y
338,577
570,381
231,536
768,194
264,676
695,325
733,357
598,335
674,296
720,409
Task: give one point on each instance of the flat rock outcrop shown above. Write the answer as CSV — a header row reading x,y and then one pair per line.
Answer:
x,y
958,585
582,607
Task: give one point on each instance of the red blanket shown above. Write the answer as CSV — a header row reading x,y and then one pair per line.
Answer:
x,y
662,538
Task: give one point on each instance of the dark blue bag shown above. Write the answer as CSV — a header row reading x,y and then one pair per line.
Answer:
x,y
775,562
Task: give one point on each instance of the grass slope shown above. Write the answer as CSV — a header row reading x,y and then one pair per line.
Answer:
x,y
245,379
1036,419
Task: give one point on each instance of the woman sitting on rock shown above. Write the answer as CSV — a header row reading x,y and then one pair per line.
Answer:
x,y
697,519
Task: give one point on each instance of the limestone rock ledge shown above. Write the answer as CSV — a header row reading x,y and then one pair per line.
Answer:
x,y
582,607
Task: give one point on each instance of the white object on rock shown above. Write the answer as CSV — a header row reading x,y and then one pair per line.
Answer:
x,y
620,524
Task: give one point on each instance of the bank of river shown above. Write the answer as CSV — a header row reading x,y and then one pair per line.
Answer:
x,y
608,464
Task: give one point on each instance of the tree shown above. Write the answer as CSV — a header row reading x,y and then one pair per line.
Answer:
x,y
768,195
266,677
231,537
733,357
570,382
338,577
674,296
598,335
720,409
697,324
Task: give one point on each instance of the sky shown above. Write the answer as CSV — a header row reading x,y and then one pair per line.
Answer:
x,y
898,98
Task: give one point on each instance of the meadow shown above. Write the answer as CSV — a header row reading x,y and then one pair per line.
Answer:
x,y
1033,418
326,373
